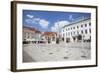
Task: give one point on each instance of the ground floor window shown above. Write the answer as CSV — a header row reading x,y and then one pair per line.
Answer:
x,y
67,40
62,39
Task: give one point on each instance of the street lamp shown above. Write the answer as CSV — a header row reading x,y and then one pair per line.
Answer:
x,y
58,30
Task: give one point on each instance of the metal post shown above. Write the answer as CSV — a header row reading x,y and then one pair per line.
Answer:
x,y
58,32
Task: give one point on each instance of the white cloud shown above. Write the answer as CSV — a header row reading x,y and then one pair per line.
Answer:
x,y
58,25
43,23
36,19
54,29
33,20
71,17
29,16
28,21
62,23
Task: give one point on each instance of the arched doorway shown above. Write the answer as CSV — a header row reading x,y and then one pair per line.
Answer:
x,y
79,37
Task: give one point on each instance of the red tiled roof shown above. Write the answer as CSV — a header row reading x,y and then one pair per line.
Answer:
x,y
49,33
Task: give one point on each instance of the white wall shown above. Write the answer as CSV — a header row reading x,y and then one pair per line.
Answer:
x,y
77,29
5,38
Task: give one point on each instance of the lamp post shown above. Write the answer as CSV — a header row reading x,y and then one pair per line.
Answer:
x,y
58,30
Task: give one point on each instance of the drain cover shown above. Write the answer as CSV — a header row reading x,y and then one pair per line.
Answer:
x,y
50,53
65,57
83,56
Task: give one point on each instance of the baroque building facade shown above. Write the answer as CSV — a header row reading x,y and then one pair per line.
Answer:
x,y
77,31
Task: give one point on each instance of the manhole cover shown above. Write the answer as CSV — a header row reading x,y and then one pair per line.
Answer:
x,y
50,53
84,56
65,57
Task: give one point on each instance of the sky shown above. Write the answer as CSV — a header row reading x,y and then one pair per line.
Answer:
x,y
50,20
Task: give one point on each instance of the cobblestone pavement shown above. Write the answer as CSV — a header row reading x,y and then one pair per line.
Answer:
x,y
56,52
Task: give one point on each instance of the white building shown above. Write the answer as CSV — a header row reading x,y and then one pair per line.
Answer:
x,y
76,31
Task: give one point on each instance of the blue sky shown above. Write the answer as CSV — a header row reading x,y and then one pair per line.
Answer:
x,y
49,20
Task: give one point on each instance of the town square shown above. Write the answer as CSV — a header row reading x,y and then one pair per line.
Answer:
x,y
56,52
52,36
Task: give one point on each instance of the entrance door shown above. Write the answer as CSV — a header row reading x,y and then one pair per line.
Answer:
x,y
67,40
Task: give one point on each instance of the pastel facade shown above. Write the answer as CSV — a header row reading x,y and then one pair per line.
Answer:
x,y
31,35
50,37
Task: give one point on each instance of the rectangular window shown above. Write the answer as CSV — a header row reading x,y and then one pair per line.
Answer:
x,y
86,31
28,35
89,24
90,30
77,32
73,27
24,35
74,32
81,25
81,31
33,35
77,27
85,25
